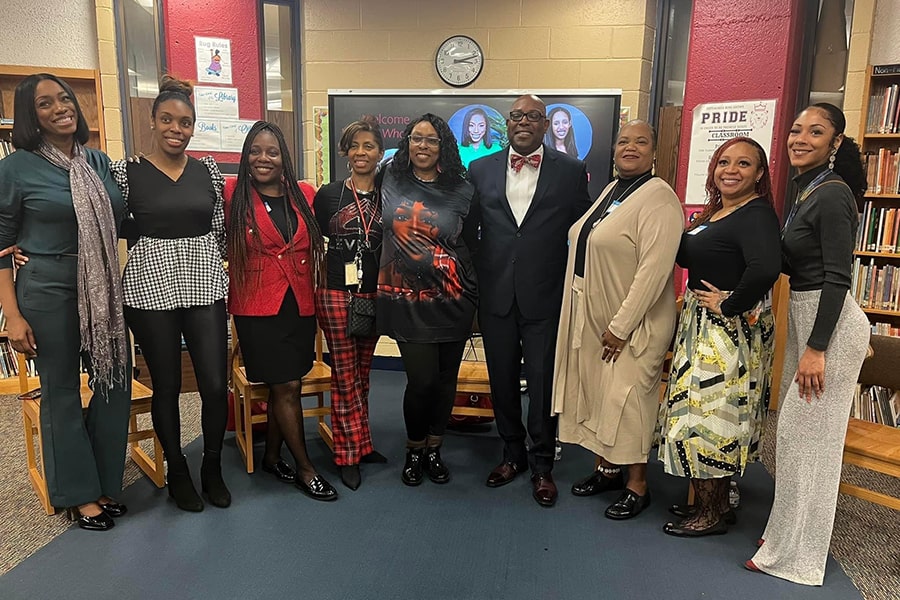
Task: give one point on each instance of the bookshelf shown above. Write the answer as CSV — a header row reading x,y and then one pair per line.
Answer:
x,y
17,374
876,267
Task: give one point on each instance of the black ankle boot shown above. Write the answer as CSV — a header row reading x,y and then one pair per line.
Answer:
x,y
211,481
181,488
413,473
434,466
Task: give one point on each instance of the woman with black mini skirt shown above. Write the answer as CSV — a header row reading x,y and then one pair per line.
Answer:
x,y
275,253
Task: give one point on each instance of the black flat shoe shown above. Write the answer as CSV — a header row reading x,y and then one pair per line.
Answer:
x,y
113,508
679,530
687,510
317,489
596,483
373,457
413,469
350,476
101,522
434,466
282,471
628,506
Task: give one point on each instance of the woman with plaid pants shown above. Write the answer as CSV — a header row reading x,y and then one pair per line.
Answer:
x,y
349,214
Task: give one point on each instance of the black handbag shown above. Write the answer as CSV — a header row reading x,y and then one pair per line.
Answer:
x,y
360,316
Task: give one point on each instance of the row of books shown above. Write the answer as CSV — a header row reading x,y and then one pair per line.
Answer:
x,y
882,171
6,148
879,229
9,365
884,109
876,404
876,286
890,329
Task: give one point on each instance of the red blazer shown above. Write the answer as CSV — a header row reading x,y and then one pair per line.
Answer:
x,y
274,266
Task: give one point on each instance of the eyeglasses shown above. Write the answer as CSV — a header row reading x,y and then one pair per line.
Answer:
x,y
432,142
532,115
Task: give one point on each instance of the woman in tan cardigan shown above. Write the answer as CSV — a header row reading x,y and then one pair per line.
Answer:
x,y
617,321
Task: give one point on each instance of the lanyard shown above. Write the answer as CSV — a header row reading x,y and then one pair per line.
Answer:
x,y
366,227
803,196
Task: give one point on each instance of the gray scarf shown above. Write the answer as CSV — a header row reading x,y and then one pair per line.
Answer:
x,y
99,283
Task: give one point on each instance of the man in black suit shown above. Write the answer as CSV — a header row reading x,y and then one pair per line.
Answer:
x,y
529,197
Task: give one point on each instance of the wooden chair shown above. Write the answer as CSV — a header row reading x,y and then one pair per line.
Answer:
x,y
246,393
870,445
473,380
141,396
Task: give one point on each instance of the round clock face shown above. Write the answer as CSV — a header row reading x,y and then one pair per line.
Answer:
x,y
459,60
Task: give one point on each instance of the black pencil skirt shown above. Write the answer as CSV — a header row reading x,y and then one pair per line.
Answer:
x,y
279,348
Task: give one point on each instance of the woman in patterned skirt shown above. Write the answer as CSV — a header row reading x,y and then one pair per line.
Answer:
x,y
719,382
175,286
828,335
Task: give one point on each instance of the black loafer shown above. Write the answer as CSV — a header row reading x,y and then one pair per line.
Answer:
x,y
679,530
434,466
596,483
113,508
687,510
282,471
629,505
101,522
414,469
317,489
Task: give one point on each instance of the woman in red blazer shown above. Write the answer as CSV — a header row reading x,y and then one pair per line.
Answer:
x,y
275,253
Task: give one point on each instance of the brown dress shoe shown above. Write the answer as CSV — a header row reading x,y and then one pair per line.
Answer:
x,y
503,474
544,489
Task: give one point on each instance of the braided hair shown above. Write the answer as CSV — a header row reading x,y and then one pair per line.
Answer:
x,y
243,216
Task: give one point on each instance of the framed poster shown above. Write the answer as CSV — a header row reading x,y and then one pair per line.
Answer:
x,y
213,57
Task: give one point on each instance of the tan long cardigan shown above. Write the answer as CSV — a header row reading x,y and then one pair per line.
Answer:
x,y
611,408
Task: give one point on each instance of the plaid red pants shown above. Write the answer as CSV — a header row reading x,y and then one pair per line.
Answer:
x,y
351,361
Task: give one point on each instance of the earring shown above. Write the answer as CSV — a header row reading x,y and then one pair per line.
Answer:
x,y
348,166
439,170
832,158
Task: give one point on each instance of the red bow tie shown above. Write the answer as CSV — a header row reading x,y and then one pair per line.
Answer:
x,y
516,161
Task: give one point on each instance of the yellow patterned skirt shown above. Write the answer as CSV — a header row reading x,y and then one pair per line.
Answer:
x,y
718,392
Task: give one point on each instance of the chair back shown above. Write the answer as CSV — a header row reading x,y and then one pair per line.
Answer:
x,y
883,367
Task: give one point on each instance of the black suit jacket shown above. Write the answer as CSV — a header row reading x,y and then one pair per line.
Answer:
x,y
527,263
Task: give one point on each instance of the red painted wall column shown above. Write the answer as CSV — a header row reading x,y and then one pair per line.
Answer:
x,y
744,51
236,20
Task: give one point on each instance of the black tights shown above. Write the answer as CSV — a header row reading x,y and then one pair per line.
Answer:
x,y
158,333
285,424
710,500
431,374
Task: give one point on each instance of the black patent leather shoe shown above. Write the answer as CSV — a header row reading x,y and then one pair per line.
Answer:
x,y
113,508
679,530
434,466
628,506
350,476
414,469
317,489
687,510
101,522
282,471
596,483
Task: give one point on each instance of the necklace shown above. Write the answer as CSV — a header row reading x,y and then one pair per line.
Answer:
x,y
432,180
611,201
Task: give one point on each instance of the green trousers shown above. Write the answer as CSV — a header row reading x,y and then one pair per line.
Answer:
x,y
84,454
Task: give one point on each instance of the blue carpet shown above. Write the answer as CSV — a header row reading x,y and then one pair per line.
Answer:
x,y
457,541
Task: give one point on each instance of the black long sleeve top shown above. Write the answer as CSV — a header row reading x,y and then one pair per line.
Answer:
x,y
740,253
817,247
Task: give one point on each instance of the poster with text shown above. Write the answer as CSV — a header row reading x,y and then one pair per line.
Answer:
x,y
234,133
207,136
718,122
213,60
216,102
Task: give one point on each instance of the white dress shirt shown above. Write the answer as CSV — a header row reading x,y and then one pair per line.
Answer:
x,y
520,186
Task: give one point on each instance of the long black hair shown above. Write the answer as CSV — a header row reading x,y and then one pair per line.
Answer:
x,y
26,133
243,216
467,138
847,161
569,140
450,167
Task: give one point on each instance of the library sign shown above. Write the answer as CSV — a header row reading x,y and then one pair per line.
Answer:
x,y
718,122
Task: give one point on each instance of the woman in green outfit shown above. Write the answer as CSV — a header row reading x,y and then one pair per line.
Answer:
x,y
59,204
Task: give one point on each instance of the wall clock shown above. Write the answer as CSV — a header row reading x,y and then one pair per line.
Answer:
x,y
459,60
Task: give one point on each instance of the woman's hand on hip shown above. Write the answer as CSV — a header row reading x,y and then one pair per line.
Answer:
x,y
612,346
18,258
21,337
810,375
711,300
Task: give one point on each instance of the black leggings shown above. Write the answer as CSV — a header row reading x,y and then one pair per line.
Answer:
x,y
431,374
158,333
